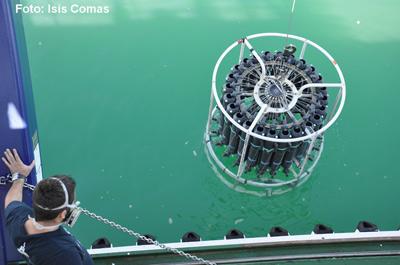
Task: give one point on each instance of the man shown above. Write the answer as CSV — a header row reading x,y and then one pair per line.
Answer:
x,y
37,233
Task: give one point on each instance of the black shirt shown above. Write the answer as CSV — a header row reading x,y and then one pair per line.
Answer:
x,y
58,247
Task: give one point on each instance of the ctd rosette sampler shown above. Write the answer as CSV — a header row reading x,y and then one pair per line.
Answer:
x,y
266,123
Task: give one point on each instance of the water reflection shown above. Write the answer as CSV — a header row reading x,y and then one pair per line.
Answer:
x,y
242,10
364,24
229,209
228,10
144,9
361,25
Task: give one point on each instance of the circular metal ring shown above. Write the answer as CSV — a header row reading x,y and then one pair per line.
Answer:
x,y
306,42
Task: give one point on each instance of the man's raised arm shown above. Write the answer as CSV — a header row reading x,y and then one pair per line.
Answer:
x,y
19,172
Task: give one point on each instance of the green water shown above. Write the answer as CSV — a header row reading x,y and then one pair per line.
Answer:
x,y
122,101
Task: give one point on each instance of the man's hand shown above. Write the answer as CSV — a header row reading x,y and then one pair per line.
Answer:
x,y
15,164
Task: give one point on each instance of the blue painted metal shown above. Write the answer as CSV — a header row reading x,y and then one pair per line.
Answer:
x,y
15,88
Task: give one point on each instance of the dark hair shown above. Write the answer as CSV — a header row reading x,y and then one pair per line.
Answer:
x,y
50,194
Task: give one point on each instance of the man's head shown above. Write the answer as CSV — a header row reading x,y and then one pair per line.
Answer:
x,y
49,193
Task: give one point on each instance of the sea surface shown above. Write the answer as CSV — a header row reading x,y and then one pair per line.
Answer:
x,y
122,102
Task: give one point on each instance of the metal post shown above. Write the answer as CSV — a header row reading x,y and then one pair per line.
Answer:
x,y
309,150
338,96
241,52
303,50
260,114
210,111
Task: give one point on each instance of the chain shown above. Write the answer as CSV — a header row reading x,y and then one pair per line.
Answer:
x,y
148,240
126,230
29,186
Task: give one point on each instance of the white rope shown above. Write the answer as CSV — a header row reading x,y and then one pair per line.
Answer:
x,y
293,4
290,21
